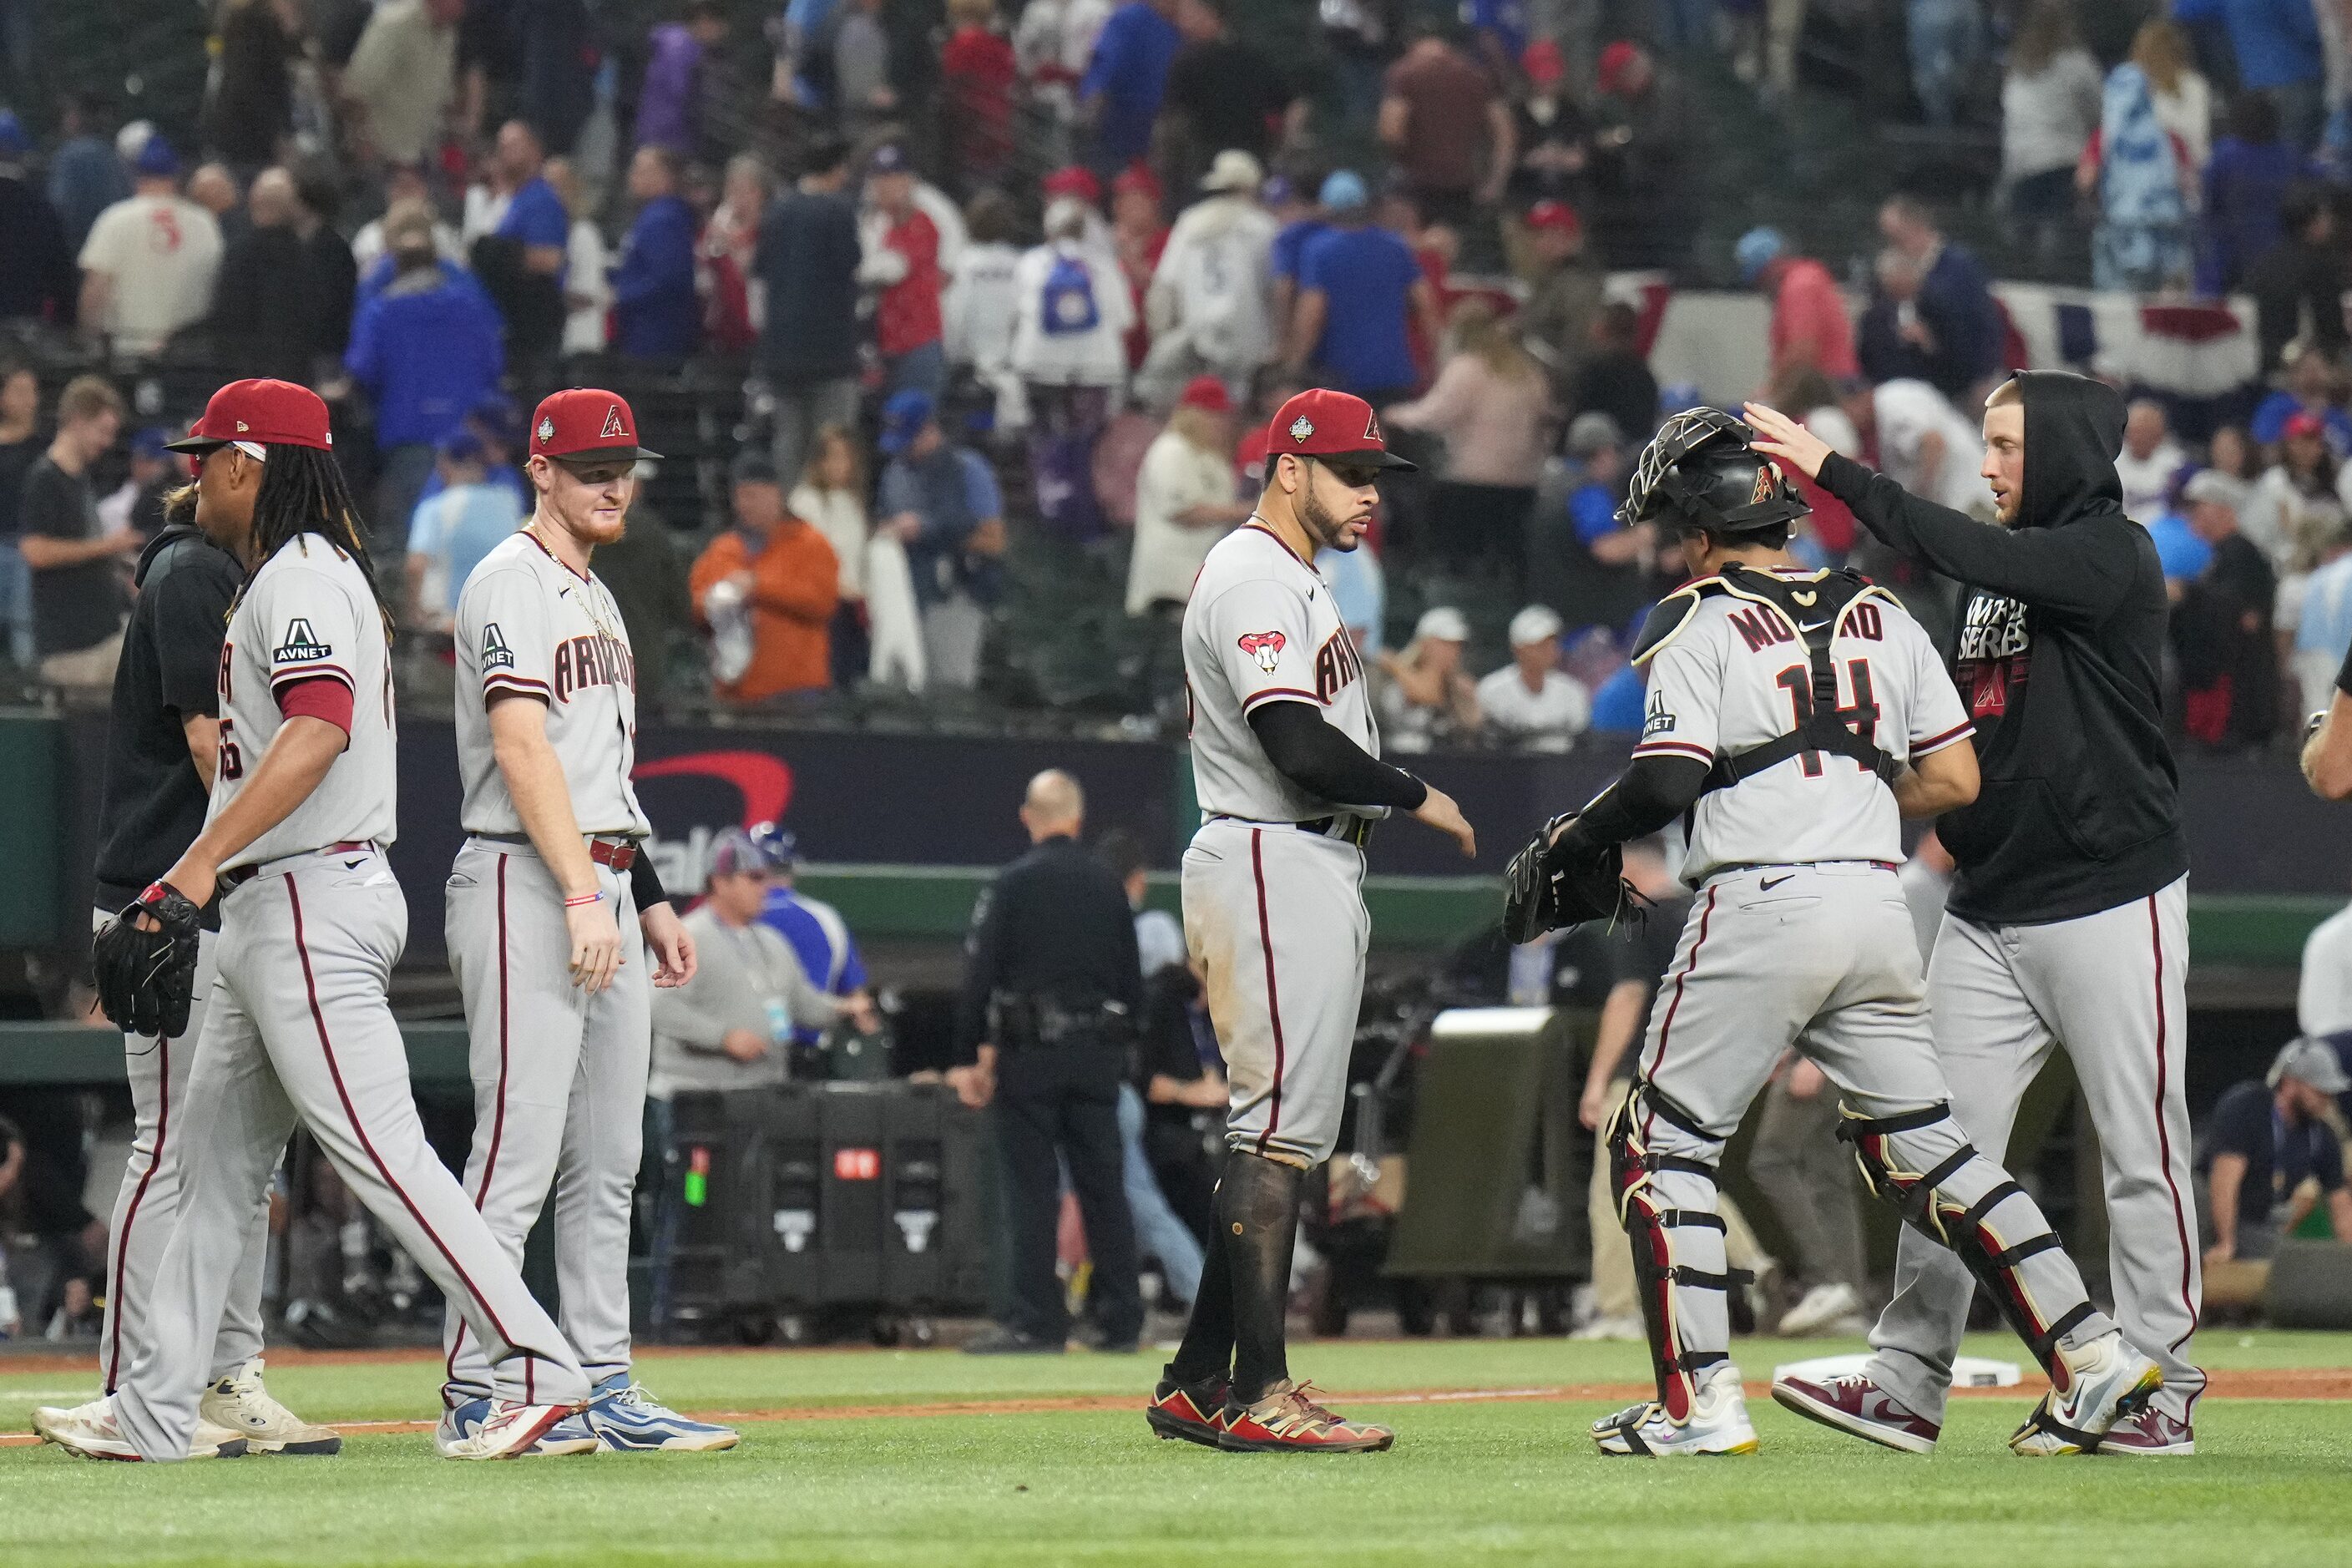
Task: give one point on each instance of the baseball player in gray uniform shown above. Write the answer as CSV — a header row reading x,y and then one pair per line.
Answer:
x,y
2068,921
1286,764
1791,716
552,908
299,1028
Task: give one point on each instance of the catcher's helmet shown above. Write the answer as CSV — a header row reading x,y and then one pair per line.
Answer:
x,y
1700,472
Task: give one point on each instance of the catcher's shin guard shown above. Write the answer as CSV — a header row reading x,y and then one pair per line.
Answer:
x,y
1918,1161
1662,1172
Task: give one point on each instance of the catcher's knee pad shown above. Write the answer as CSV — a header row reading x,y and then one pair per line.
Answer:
x,y
1918,1161
1662,1166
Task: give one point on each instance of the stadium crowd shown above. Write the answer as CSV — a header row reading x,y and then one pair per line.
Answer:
x,y
1010,295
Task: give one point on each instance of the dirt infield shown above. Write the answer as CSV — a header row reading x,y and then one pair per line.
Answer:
x,y
2299,1383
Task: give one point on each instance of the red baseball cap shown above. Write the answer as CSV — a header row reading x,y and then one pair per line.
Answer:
x,y
586,425
1325,424
265,413
1206,392
1550,213
1075,180
2304,422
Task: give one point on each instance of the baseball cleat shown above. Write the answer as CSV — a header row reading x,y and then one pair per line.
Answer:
x,y
2107,1381
2146,1433
1859,1407
625,1418
507,1429
90,1431
241,1404
1824,1309
1288,1420
1718,1425
1192,1410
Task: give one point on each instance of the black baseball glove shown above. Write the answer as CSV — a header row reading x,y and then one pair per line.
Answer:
x,y
1556,882
146,978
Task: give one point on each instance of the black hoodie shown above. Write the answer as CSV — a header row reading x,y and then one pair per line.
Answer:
x,y
152,805
2062,632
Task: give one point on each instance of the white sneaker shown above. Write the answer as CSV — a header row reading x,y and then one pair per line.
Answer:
x,y
1719,1423
241,1404
2108,1380
90,1431
1612,1329
507,1433
1819,1311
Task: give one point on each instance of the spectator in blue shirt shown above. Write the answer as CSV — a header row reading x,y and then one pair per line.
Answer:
x,y
2309,388
655,314
1617,704
86,177
496,422
2323,619
1293,208
1358,287
807,262
941,502
1120,91
812,927
1964,325
2246,184
2179,552
452,530
2277,48
520,262
425,350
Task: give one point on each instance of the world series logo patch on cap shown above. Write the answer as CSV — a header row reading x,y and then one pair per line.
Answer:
x,y
546,430
1301,428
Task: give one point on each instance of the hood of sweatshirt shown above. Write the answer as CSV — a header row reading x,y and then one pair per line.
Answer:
x,y
2073,431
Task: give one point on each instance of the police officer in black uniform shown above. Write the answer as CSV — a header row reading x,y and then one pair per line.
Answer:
x,y
1051,990
162,742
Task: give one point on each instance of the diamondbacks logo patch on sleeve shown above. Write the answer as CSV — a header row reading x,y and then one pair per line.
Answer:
x,y
1263,647
301,645
496,655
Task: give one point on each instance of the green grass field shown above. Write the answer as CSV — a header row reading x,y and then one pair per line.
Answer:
x,y
1499,1480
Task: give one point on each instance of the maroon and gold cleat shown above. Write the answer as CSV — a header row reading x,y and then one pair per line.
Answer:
x,y
1855,1404
2145,1433
1288,1420
1192,1410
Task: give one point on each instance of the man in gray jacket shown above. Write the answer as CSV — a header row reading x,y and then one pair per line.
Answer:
x,y
730,1026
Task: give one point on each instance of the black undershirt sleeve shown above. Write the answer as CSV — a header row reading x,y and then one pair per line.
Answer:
x,y
1650,793
644,882
2344,675
1328,766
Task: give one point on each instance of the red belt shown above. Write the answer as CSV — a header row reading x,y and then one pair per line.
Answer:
x,y
619,853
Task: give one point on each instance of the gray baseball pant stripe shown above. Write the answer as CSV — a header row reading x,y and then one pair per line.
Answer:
x,y
2111,988
300,1032
558,1094
148,1200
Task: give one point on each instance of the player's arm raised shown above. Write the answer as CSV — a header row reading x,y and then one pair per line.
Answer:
x,y
534,777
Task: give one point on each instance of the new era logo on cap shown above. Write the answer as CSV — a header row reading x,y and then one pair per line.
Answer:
x,y
586,424
1315,425
261,413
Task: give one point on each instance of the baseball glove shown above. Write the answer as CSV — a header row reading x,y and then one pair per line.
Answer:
x,y
146,978
1551,885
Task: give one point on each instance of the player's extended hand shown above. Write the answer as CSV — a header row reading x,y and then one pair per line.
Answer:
x,y
595,944
1785,441
1440,812
672,947
863,1015
1593,1106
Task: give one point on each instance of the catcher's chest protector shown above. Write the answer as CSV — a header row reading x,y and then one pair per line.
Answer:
x,y
1812,609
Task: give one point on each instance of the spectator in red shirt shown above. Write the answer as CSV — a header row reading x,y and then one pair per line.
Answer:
x,y
902,260
977,72
1139,233
1448,128
723,258
1810,324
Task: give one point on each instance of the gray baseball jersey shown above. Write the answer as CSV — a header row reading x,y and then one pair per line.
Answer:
x,y
299,1026
307,613
1733,676
528,625
1274,912
1261,627
559,1075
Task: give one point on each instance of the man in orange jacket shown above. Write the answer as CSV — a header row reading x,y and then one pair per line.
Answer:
x,y
785,577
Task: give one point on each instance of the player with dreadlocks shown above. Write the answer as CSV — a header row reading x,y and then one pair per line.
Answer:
x,y
299,1027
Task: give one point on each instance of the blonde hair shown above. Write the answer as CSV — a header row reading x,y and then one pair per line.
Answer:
x,y
813,467
87,397
2161,49
2007,392
1479,329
